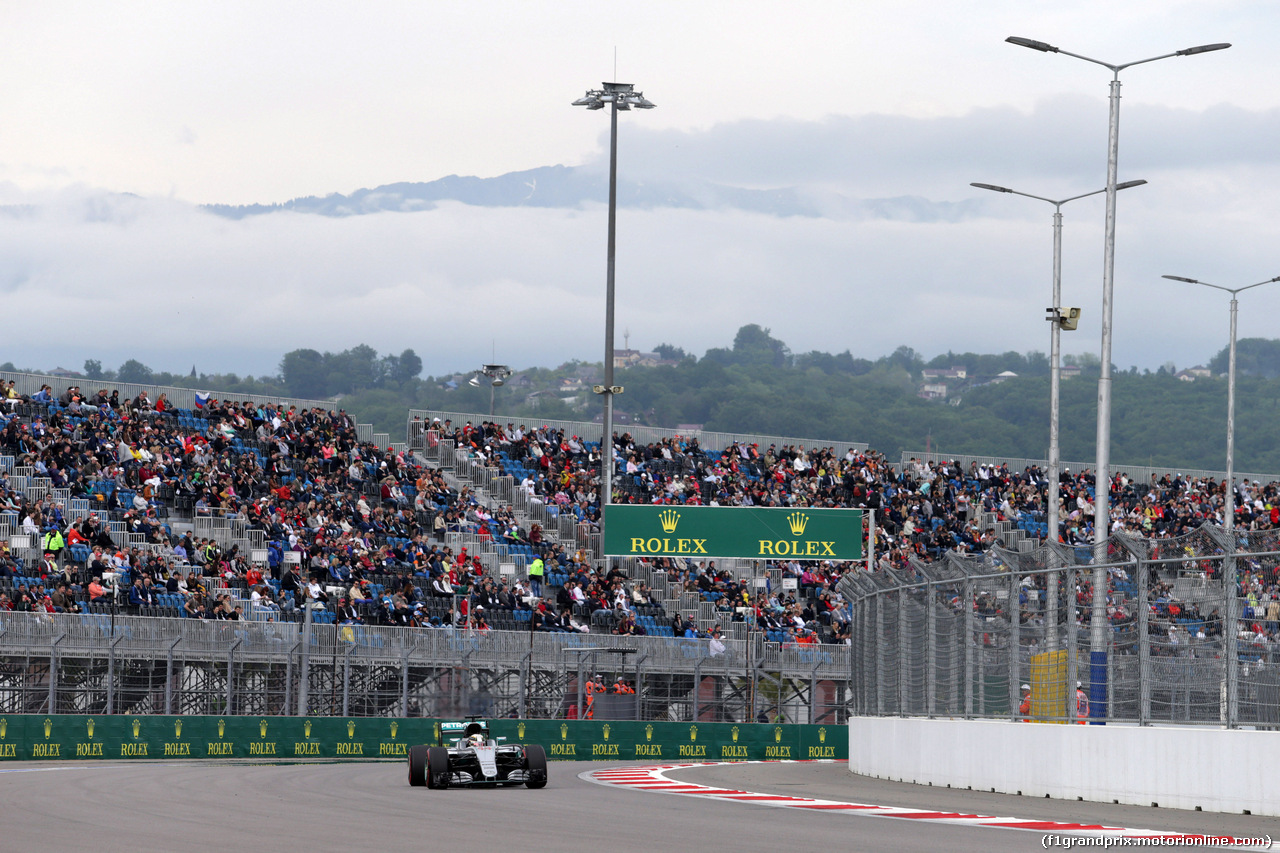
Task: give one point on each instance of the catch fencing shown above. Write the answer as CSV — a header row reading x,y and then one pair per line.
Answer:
x,y
961,637
99,664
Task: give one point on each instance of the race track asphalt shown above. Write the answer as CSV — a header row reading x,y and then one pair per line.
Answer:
x,y
138,807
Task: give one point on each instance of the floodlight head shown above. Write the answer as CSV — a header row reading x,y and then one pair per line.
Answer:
x,y
1204,48
1180,278
1127,184
474,381
1033,44
498,382
591,101
992,187
643,103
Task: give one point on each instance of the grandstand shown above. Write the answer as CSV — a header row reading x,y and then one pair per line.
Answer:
x,y
281,513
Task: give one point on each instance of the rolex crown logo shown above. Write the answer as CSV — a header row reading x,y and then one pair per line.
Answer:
x,y
797,521
4,726
735,734
520,730
606,731
395,727
137,726
262,728
777,734
89,725
437,732
669,518
177,728
222,727
693,733
306,729
351,728
648,732
564,731
48,727
822,735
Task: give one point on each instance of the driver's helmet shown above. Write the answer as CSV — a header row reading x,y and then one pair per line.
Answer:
x,y
476,740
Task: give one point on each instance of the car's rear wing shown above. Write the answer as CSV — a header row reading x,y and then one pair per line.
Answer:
x,y
451,731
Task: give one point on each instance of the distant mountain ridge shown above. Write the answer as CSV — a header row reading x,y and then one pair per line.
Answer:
x,y
570,187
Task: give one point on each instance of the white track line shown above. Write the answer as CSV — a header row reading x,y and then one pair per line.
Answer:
x,y
653,778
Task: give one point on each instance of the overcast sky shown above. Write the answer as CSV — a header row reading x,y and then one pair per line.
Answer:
x,y
117,120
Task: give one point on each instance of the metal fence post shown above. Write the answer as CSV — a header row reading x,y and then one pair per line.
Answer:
x,y
640,683
813,694
1231,630
346,681
1015,642
1051,596
304,666
881,651
1073,638
931,651
866,652
697,688
288,678
903,661
111,674
53,672
404,681
969,640
231,675
522,701
168,676
1144,645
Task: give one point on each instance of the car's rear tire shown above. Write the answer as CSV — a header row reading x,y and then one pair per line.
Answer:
x,y
417,766
437,767
535,766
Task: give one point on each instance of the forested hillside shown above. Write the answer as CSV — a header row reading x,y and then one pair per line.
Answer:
x,y
760,385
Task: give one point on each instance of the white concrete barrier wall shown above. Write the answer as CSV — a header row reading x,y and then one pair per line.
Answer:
x,y
1176,767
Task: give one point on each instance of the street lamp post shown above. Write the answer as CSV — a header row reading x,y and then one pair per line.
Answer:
x,y
1229,581
1102,497
497,374
1229,511
1057,322
623,97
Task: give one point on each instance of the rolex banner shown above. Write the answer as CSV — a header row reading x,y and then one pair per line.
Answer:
x,y
146,737
758,533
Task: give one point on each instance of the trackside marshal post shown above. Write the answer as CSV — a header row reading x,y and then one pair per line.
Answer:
x,y
757,533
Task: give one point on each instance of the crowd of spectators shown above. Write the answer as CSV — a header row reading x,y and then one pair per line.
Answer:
x,y
367,524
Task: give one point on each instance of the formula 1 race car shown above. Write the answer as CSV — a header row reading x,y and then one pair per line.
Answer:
x,y
473,759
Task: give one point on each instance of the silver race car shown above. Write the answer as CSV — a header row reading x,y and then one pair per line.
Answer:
x,y
472,758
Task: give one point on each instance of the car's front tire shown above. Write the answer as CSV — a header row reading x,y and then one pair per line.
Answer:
x,y
437,767
418,766
535,766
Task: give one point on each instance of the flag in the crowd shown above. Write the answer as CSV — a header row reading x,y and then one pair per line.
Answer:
x,y
202,399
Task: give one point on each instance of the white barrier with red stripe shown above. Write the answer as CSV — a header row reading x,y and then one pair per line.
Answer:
x,y
653,779
1188,767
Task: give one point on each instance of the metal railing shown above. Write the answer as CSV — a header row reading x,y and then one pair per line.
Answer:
x,y
711,441
961,637
99,664
182,398
1136,473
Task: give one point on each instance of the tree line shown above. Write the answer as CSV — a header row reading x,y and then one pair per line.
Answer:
x,y
759,385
